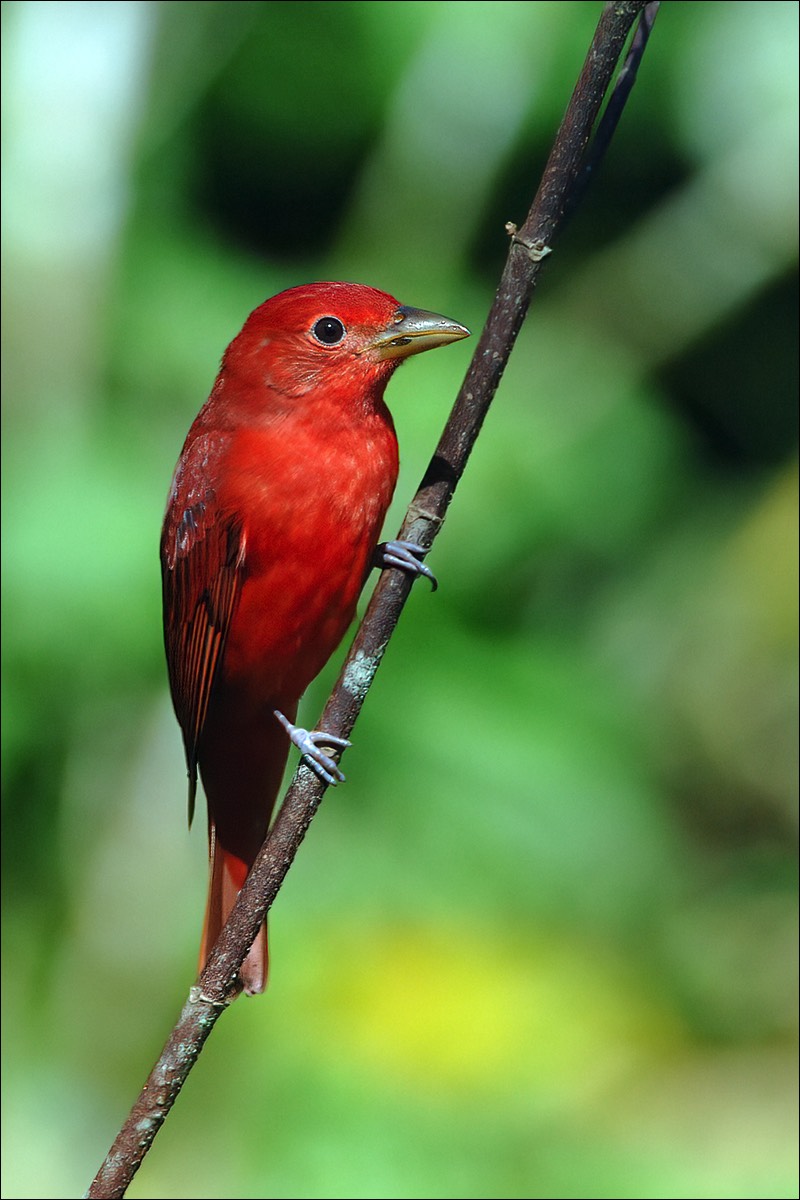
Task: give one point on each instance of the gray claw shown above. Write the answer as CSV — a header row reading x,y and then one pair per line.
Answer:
x,y
407,556
308,742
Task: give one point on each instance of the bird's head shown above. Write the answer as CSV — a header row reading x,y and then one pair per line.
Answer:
x,y
334,336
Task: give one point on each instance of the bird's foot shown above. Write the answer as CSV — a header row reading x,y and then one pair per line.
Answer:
x,y
309,741
407,556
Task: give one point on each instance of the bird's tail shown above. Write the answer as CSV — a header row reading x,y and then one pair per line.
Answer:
x,y
240,805
227,875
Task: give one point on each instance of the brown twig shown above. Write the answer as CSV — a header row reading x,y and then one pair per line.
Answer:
x,y
616,103
529,246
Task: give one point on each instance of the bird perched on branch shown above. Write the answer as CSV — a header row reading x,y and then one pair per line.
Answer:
x,y
271,526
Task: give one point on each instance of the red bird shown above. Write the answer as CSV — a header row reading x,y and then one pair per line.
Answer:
x,y
272,521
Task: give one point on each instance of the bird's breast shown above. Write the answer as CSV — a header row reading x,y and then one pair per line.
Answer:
x,y
312,508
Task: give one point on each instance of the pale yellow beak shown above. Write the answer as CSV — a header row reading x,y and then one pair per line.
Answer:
x,y
413,330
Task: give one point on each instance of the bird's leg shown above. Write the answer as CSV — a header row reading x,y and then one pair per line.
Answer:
x,y
407,556
308,742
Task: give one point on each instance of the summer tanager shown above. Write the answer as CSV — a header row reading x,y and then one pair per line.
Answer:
x,y
271,527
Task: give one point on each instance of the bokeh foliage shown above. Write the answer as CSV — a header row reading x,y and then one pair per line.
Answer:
x,y
543,943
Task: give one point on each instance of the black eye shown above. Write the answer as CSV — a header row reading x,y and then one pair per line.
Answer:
x,y
328,330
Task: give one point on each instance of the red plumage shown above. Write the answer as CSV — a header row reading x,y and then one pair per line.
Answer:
x,y
275,509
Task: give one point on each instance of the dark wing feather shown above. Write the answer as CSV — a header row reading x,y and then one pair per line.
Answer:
x,y
202,553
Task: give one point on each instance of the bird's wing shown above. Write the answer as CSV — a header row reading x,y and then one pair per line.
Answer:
x,y
202,554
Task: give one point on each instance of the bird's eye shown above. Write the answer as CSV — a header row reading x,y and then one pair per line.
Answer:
x,y
328,330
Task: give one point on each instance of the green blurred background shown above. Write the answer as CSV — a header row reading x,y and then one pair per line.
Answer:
x,y
543,943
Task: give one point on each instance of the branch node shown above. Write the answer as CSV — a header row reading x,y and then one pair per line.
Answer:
x,y
415,510
536,249
198,996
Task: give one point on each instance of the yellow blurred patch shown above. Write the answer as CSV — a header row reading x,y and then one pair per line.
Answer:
x,y
431,1009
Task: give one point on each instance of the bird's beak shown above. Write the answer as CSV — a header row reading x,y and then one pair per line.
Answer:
x,y
413,330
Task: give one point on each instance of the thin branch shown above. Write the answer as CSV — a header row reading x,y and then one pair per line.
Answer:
x,y
529,246
616,104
